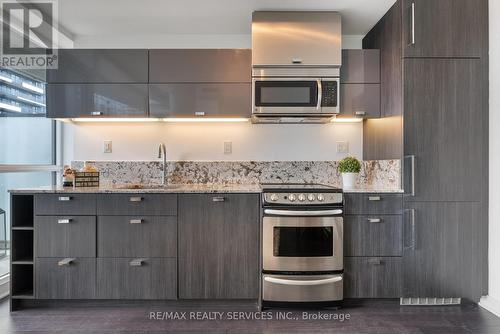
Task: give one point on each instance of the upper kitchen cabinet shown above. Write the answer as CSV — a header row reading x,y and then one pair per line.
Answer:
x,y
97,100
195,100
100,66
360,84
200,66
360,66
444,28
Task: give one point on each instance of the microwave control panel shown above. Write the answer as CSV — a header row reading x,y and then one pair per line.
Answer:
x,y
330,93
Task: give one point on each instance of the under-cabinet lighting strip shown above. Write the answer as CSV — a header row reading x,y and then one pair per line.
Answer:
x,y
167,120
347,120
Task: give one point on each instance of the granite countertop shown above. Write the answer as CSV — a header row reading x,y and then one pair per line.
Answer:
x,y
180,188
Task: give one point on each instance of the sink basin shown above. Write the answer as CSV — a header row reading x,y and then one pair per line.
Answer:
x,y
146,186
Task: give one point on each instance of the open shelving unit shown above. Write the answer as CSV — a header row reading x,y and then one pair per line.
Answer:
x,y
22,249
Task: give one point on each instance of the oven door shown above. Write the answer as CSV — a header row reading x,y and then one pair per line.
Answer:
x,y
302,241
286,96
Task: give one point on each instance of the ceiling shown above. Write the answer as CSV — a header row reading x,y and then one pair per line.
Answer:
x,y
178,17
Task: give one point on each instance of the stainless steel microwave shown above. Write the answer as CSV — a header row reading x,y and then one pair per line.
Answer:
x,y
308,97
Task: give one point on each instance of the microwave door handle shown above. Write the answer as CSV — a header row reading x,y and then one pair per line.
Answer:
x,y
303,283
320,94
308,213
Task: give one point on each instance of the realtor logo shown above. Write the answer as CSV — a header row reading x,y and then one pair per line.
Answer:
x,y
28,34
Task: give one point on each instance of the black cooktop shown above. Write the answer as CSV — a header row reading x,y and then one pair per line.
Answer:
x,y
299,187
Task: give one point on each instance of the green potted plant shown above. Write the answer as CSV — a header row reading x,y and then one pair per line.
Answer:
x,y
349,168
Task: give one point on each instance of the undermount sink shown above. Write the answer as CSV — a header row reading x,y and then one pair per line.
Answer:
x,y
146,186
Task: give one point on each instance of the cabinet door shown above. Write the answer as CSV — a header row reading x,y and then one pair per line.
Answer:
x,y
97,100
445,28
75,279
444,250
100,66
219,246
360,100
360,66
443,129
193,100
195,65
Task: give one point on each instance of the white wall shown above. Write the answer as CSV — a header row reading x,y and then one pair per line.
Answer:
x,y
492,301
138,141
202,141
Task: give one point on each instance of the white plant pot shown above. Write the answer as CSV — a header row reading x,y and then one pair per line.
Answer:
x,y
349,180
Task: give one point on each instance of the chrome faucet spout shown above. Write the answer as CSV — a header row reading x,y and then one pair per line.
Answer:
x,y
162,153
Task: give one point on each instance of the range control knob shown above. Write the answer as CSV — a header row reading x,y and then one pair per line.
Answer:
x,y
302,197
321,198
273,197
311,197
292,198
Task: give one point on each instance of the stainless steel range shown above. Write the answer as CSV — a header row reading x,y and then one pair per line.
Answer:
x,y
302,245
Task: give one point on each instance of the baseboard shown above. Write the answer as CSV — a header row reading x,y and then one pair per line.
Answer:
x,y
4,286
491,304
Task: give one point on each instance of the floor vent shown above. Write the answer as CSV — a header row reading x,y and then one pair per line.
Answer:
x,y
429,301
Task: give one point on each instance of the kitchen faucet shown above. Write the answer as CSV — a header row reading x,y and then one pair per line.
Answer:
x,y
162,153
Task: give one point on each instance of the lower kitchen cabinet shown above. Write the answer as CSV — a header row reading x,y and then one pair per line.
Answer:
x,y
373,235
142,278
444,243
372,277
135,236
65,278
219,246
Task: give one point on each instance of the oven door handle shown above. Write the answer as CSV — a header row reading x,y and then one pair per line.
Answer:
x,y
303,283
299,213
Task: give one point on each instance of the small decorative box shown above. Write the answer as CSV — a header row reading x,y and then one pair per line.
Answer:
x,y
86,179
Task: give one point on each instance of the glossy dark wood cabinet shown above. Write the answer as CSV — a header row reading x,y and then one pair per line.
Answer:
x,y
372,277
219,246
74,280
130,278
444,28
373,203
360,66
100,66
65,204
443,129
200,99
434,87
65,236
97,100
137,236
444,251
200,65
137,204
360,100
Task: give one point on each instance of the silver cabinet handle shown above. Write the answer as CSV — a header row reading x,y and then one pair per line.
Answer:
x,y
137,262
302,283
412,25
298,213
320,94
66,262
296,61
360,113
374,220
411,230
218,199
135,199
410,179
64,221
64,198
199,113
136,221
375,261
374,198
96,113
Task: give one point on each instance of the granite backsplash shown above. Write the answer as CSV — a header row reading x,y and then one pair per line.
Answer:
x,y
377,174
